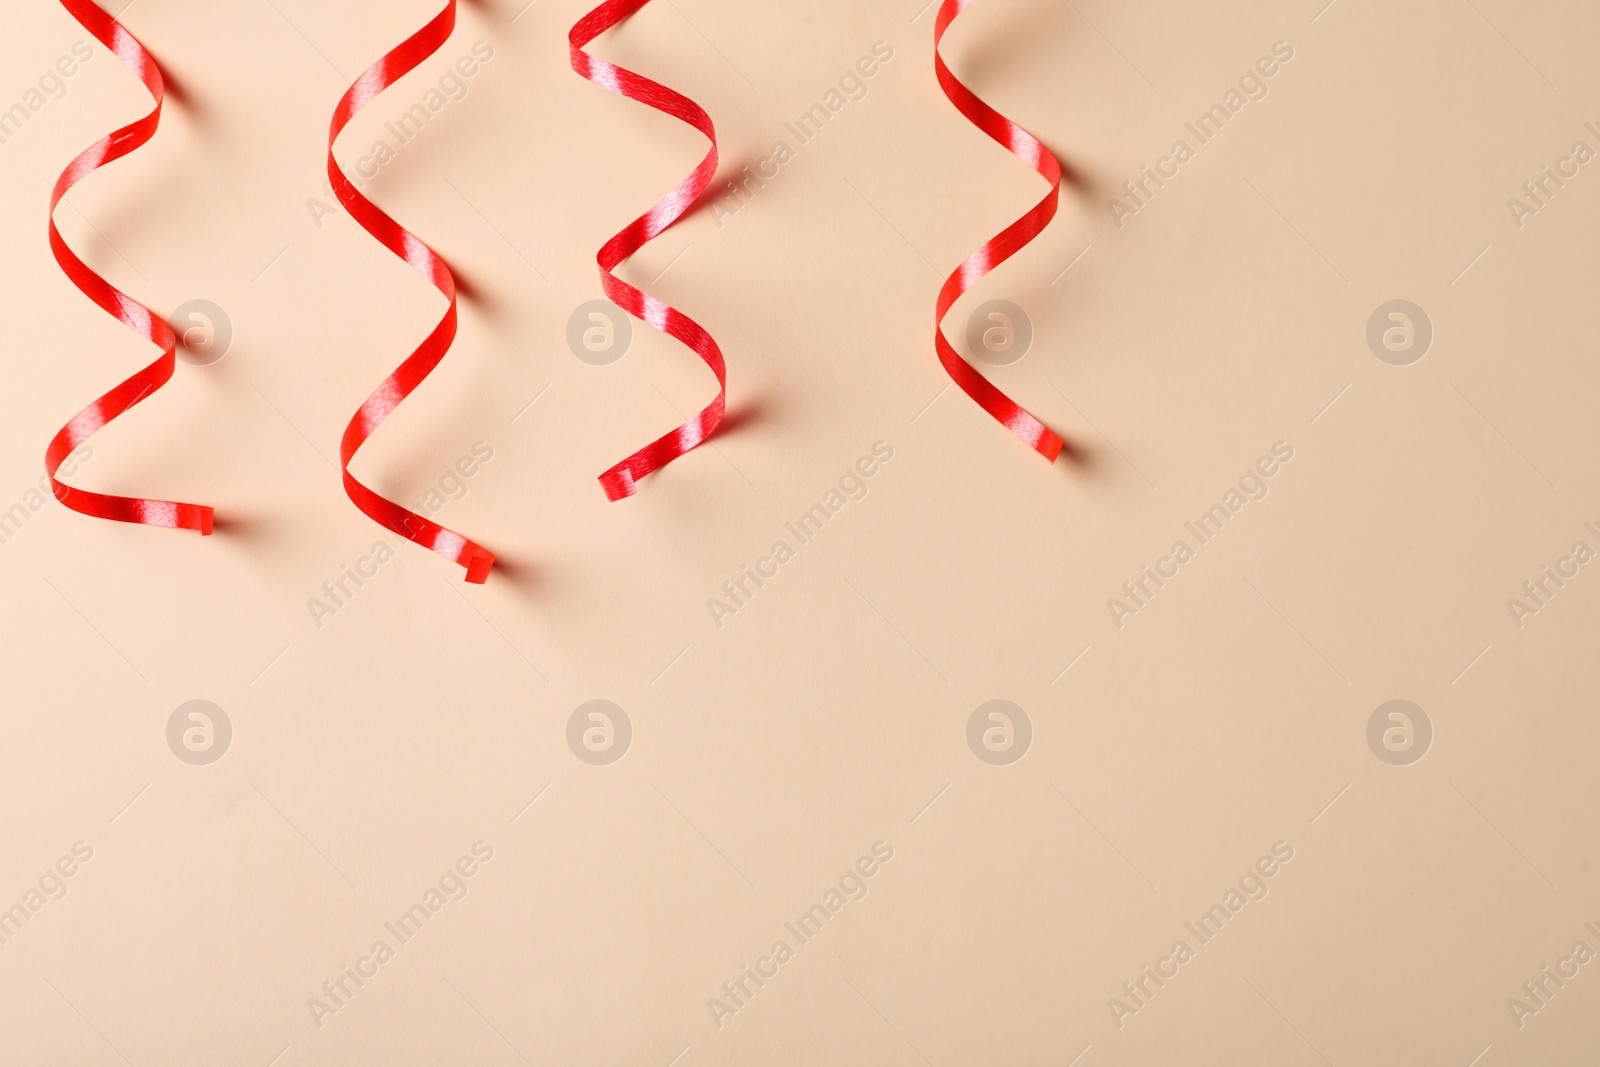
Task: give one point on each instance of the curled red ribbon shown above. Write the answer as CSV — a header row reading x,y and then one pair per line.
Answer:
x,y
124,308
419,257
619,481
1000,248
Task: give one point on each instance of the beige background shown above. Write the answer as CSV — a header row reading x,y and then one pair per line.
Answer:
x,y
830,713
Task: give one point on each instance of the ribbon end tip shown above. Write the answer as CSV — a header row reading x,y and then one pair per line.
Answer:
x,y
478,569
1051,447
618,487
207,518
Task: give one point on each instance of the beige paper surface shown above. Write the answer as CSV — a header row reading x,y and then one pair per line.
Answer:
x,y
1197,830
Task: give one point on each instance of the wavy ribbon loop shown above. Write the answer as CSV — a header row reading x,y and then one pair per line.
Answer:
x,y
620,481
393,66
113,301
998,249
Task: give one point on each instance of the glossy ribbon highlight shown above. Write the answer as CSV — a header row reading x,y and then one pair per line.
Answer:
x,y
419,257
1000,248
619,481
124,308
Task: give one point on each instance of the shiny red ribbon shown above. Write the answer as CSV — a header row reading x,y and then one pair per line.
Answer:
x,y
419,257
999,248
124,308
619,481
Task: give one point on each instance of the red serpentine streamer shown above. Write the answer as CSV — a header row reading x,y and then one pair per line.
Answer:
x,y
128,311
1000,248
618,482
419,257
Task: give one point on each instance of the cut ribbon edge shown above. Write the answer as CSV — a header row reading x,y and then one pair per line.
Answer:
x,y
136,316
997,249
389,69
621,480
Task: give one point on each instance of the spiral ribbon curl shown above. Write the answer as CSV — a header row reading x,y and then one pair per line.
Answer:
x,y
419,257
619,481
125,309
998,249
